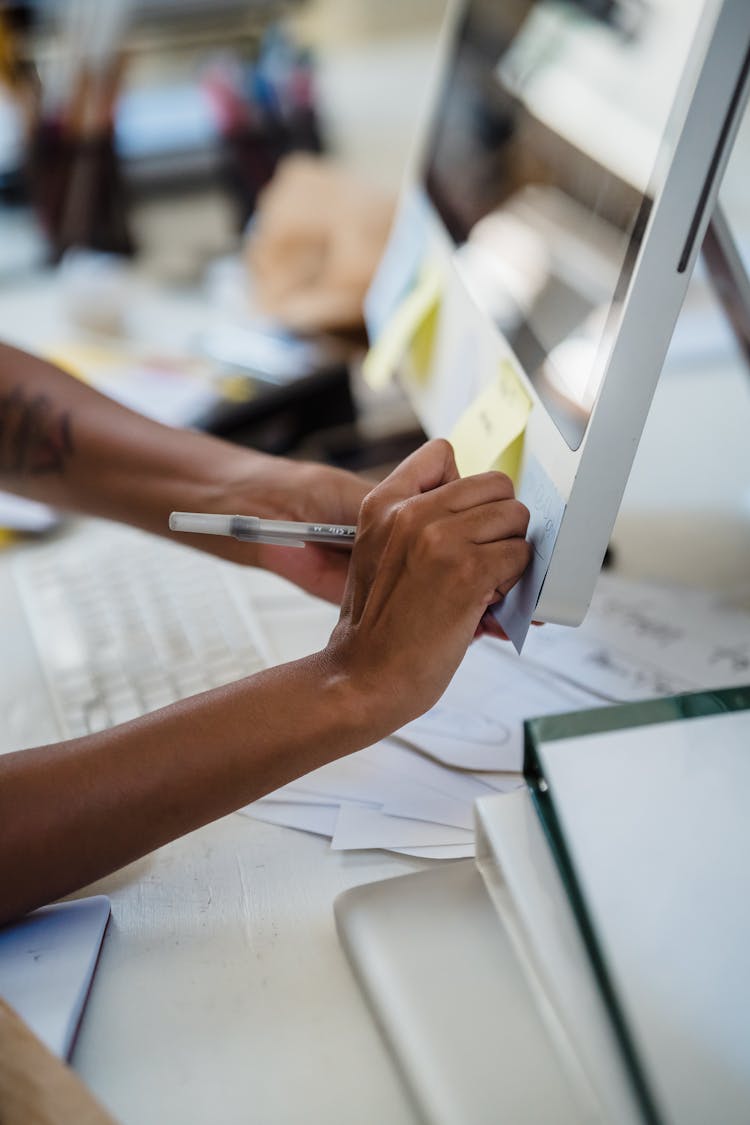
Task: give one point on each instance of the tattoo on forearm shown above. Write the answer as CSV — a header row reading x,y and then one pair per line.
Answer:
x,y
34,437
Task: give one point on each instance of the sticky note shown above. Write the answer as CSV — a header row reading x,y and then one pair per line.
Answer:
x,y
410,329
546,509
489,434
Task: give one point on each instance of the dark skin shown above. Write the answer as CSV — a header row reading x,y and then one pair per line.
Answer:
x,y
432,553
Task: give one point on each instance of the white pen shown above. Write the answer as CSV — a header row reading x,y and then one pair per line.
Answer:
x,y
281,533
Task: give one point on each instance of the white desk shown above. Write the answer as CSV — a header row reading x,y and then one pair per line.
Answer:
x,y
222,994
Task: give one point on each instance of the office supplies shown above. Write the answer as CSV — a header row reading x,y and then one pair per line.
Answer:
x,y
558,244
610,159
673,976
415,313
252,529
47,962
624,924
489,433
25,515
122,624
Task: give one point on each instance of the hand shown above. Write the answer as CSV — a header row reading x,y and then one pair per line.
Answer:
x,y
432,553
276,488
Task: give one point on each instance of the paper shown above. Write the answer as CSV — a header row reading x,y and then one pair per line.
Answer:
x,y
289,795
443,851
546,507
638,639
648,639
25,515
47,961
400,263
358,828
437,810
489,434
319,819
411,326
363,777
408,769
174,390
478,723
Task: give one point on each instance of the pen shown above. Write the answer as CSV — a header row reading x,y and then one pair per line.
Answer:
x,y
252,529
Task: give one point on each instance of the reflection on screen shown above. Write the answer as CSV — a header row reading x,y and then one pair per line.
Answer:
x,y
541,166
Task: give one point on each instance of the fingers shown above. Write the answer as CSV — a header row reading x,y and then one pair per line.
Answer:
x,y
430,466
508,559
484,488
501,519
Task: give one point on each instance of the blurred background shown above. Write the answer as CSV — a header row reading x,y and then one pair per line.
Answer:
x,y
140,244
194,195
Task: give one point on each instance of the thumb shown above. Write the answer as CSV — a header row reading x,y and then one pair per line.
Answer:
x,y
430,466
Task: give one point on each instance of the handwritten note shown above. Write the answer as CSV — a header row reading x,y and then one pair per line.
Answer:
x,y
546,508
489,434
410,328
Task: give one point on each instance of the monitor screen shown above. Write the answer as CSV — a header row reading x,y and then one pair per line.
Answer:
x,y
542,165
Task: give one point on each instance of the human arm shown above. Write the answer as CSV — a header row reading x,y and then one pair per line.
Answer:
x,y
432,552
65,444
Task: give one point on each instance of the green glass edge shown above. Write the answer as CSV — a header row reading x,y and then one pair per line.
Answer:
x,y
688,705
550,728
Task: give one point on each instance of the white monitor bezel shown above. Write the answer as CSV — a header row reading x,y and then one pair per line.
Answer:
x,y
591,479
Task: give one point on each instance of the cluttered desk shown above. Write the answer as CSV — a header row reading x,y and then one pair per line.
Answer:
x,y
221,990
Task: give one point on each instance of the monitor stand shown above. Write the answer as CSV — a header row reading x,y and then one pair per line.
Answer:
x,y
444,983
485,1024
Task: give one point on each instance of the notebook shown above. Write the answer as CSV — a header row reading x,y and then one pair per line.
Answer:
x,y
47,962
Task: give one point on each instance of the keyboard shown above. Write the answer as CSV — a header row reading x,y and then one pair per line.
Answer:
x,y
124,623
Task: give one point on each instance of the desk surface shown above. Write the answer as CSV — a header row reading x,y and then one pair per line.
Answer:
x,y
222,993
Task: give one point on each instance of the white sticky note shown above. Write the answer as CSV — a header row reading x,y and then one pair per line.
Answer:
x,y
358,828
516,611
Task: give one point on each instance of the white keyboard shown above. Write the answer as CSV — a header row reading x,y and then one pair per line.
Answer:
x,y
125,623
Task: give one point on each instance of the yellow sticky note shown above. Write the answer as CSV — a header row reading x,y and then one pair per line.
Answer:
x,y
419,353
410,329
489,434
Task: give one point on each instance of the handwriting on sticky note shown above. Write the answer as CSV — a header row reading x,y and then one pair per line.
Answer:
x,y
489,434
411,327
546,509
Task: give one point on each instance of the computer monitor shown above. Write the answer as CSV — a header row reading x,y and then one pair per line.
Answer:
x,y
566,174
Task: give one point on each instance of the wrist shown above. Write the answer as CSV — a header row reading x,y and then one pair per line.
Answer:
x,y
369,703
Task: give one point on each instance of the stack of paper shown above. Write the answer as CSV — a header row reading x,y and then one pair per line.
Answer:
x,y
414,793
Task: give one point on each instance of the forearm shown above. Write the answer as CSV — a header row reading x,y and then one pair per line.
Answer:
x,y
65,444
74,812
